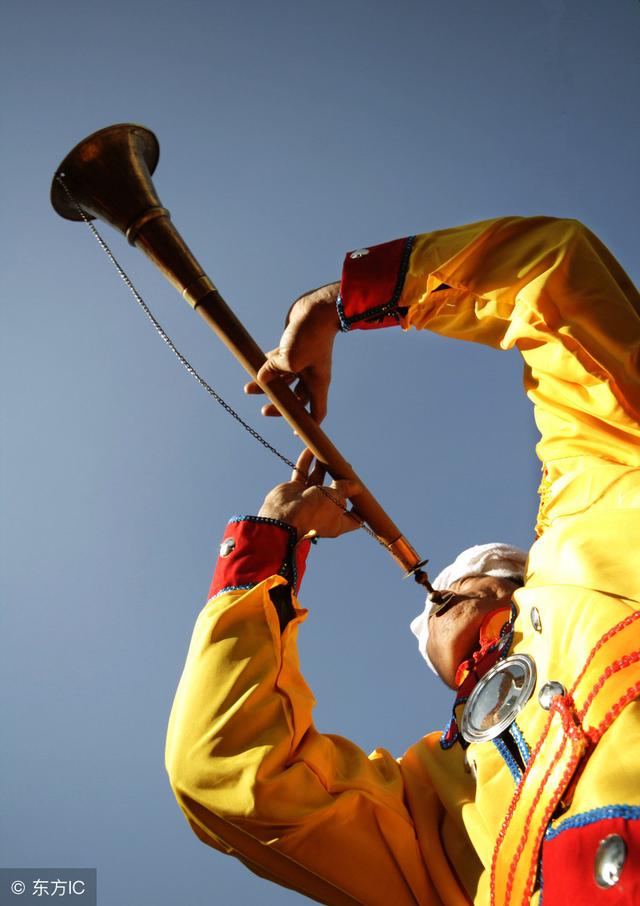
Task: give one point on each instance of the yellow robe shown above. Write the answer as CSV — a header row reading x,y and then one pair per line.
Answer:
x,y
251,772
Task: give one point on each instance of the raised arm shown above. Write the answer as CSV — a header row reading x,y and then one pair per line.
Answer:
x,y
544,285
250,770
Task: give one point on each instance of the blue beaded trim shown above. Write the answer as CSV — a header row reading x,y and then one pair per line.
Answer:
x,y
388,307
520,741
443,738
449,744
344,326
508,758
267,521
540,881
233,588
628,812
506,640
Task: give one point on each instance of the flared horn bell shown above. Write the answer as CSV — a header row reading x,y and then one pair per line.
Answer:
x,y
109,175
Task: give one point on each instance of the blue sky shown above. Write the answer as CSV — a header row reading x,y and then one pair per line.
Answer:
x,y
289,132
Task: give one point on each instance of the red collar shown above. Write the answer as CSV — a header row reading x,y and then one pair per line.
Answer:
x,y
491,631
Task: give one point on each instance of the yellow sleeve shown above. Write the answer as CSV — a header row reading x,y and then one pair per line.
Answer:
x,y
550,288
256,779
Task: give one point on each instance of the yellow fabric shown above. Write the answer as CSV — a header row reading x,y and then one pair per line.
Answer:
x,y
575,722
422,830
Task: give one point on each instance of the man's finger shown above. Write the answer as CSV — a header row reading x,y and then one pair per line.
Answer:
x,y
270,410
342,489
253,388
350,522
303,465
276,366
317,476
347,487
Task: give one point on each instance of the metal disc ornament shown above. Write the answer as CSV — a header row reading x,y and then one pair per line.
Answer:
x,y
501,693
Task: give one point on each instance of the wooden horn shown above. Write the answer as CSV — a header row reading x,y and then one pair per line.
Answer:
x,y
109,176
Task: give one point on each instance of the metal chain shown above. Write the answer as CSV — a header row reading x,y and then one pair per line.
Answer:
x,y
192,371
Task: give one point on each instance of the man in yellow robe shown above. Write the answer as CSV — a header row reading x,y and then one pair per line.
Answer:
x,y
548,809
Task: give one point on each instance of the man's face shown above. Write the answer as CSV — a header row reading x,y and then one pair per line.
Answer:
x,y
454,632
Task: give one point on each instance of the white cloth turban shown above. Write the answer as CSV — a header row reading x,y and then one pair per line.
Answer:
x,y
500,560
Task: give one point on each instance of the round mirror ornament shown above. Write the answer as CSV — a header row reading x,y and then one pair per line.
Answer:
x,y
498,697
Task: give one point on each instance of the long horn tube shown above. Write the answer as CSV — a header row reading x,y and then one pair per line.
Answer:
x,y
109,176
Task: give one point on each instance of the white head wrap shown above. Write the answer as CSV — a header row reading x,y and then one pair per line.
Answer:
x,y
500,560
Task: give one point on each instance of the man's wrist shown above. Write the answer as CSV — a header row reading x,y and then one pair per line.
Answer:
x,y
282,517
318,307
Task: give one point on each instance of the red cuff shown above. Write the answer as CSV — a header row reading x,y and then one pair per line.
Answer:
x,y
372,281
582,848
254,548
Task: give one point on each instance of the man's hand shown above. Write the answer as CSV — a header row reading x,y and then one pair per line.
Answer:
x,y
305,351
303,504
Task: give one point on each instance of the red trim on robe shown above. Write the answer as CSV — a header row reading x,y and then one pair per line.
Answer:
x,y
568,862
482,659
